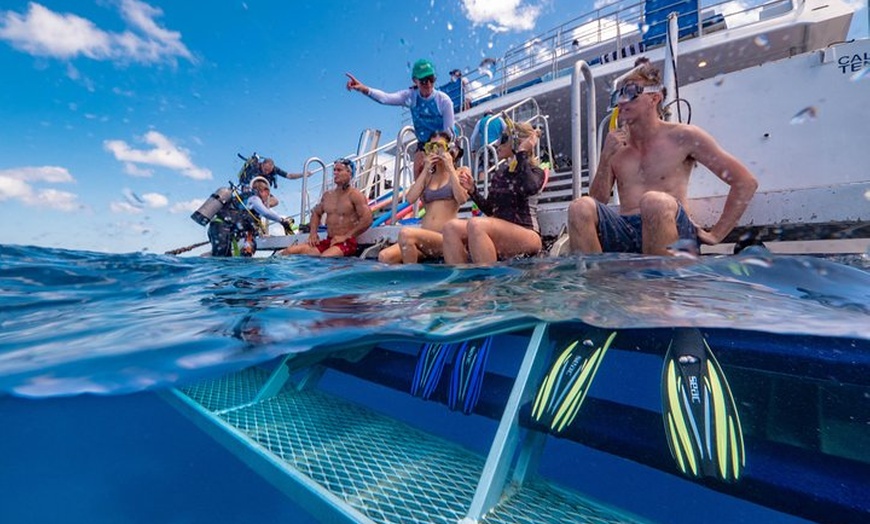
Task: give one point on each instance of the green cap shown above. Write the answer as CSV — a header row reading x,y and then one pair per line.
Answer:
x,y
422,69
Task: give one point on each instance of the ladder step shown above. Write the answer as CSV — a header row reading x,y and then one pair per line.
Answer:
x,y
383,469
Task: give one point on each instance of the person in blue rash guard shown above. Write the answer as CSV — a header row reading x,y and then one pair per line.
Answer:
x,y
492,127
431,109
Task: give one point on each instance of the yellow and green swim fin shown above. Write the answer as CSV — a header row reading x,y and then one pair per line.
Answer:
x,y
566,383
700,417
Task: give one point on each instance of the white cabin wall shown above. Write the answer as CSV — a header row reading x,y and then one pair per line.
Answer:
x,y
753,115
811,169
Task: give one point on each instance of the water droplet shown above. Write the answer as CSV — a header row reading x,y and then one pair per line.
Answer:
x,y
861,74
807,114
449,26
588,343
402,41
867,195
486,67
644,28
718,80
761,41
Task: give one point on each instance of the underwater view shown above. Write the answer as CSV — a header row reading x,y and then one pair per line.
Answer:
x,y
90,339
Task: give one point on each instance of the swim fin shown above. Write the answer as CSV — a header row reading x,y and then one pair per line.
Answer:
x,y
566,383
430,365
466,380
700,416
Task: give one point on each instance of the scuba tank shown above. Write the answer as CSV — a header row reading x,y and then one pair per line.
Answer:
x,y
211,206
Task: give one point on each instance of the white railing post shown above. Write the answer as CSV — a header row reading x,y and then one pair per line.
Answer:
x,y
582,71
669,71
400,156
304,207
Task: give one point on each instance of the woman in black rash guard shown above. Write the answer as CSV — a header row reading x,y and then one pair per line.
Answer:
x,y
510,227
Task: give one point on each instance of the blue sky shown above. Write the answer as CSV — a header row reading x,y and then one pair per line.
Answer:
x,y
121,116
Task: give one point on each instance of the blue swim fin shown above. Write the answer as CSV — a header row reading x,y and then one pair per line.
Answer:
x,y
698,409
566,383
430,365
466,380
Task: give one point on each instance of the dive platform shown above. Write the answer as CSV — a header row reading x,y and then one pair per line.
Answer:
x,y
344,462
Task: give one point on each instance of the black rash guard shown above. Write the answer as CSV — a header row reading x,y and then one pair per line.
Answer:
x,y
513,194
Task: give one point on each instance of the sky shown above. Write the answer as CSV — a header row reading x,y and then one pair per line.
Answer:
x,y
121,116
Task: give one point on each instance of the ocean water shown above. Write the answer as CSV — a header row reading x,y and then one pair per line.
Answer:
x,y
86,339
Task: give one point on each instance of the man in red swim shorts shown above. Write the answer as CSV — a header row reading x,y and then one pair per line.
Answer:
x,y
347,216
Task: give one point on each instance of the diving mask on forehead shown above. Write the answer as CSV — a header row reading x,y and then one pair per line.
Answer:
x,y
630,91
348,163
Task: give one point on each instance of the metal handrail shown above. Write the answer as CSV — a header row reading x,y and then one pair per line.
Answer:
x,y
304,211
513,110
584,72
400,161
589,36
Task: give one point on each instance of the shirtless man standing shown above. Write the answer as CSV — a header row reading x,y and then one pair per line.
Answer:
x,y
347,216
650,162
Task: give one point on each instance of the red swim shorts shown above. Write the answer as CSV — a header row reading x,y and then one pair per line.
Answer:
x,y
348,247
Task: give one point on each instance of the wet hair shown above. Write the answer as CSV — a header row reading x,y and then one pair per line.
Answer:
x,y
648,75
523,131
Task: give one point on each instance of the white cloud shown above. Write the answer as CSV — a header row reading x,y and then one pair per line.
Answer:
x,y
134,170
502,15
602,30
164,154
51,174
124,207
61,200
155,200
43,32
18,184
186,207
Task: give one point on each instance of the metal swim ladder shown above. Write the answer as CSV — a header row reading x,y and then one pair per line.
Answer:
x,y
347,463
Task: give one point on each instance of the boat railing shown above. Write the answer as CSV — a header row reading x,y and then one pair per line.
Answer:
x,y
371,179
400,167
610,33
526,110
305,204
583,79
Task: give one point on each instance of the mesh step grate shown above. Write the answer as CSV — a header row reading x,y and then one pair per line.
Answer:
x,y
542,502
385,469
229,391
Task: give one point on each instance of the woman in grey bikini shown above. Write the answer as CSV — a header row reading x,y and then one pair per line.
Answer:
x,y
442,194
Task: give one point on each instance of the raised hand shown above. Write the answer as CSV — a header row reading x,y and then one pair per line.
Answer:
x,y
615,141
353,84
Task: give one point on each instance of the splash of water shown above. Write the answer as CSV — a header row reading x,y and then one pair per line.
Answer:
x,y
487,67
807,114
761,41
861,74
